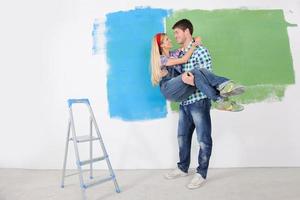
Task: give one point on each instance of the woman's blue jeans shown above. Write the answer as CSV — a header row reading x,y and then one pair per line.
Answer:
x,y
207,82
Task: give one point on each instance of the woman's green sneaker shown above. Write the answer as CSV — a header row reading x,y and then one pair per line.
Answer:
x,y
231,89
228,105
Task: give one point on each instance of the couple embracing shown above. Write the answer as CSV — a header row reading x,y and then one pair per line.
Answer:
x,y
185,75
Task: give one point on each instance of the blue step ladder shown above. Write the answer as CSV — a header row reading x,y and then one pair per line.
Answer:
x,y
81,139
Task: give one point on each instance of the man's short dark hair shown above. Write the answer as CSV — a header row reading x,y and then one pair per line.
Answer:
x,y
184,24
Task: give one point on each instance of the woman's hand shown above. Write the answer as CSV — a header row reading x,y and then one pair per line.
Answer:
x,y
197,41
163,73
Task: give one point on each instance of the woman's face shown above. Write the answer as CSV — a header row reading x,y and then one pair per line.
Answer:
x,y
166,43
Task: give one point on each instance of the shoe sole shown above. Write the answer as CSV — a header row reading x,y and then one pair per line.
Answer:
x,y
195,187
230,110
170,178
236,91
238,110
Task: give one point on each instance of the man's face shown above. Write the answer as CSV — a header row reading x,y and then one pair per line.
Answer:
x,y
179,35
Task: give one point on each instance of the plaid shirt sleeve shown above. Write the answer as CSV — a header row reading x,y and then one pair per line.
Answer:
x,y
203,57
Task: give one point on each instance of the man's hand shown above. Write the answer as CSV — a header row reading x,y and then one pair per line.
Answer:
x,y
188,78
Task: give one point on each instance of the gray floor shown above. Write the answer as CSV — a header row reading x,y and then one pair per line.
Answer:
x,y
222,184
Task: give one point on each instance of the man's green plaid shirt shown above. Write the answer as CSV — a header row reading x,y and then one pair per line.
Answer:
x,y
200,59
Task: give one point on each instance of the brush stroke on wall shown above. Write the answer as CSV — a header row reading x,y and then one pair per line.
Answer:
x,y
131,95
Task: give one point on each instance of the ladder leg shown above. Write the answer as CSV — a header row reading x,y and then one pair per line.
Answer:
x,y
82,186
83,194
91,148
104,151
113,175
66,156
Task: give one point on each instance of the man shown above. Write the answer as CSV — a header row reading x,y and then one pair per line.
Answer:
x,y
194,113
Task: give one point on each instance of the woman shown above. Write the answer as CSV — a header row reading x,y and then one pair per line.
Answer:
x,y
166,71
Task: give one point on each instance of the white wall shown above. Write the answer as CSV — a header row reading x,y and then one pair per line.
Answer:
x,y
46,58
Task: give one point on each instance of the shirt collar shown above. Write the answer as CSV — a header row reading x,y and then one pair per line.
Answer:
x,y
187,48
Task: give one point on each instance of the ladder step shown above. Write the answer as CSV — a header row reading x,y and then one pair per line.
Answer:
x,y
98,182
85,138
93,160
83,171
71,101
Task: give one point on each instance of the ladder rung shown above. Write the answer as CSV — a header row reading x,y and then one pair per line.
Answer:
x,y
84,138
71,101
93,160
98,182
87,170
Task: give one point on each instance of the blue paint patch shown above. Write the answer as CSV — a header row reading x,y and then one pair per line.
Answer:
x,y
95,34
131,95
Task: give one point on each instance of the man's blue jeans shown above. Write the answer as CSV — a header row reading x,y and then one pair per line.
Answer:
x,y
195,115
207,82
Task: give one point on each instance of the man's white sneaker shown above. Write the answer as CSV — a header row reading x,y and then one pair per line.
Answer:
x,y
196,182
176,173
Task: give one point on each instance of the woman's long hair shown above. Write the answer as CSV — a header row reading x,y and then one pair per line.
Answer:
x,y
155,59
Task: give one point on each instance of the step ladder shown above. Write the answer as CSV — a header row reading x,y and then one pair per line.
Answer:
x,y
81,139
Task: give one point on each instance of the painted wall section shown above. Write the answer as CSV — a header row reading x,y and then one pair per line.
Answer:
x,y
248,46
95,34
131,95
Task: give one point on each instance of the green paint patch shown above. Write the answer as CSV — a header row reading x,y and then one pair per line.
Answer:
x,y
248,46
